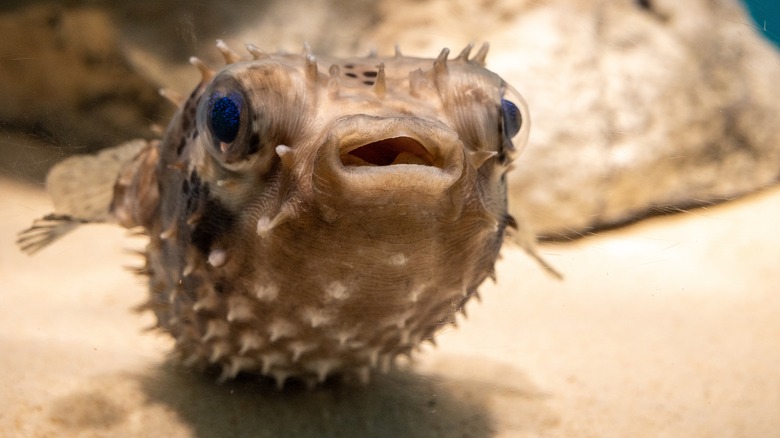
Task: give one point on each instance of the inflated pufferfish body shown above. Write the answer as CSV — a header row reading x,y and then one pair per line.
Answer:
x,y
307,222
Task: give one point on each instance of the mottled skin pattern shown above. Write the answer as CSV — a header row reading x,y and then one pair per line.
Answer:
x,y
356,205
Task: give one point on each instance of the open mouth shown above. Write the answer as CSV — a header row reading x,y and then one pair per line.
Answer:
x,y
389,152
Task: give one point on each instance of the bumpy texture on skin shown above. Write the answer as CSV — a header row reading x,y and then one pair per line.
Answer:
x,y
309,221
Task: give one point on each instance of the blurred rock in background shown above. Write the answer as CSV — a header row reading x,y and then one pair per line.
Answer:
x,y
66,87
639,107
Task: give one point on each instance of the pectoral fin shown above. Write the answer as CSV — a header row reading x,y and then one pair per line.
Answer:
x,y
82,191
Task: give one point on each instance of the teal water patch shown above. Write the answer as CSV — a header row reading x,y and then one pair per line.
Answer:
x,y
766,14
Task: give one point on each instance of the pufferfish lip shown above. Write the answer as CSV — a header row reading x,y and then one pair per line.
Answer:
x,y
372,141
389,152
375,159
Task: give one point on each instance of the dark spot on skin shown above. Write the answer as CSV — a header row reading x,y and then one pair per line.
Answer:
x,y
188,113
370,74
216,221
214,218
644,4
180,146
368,82
349,66
254,144
350,74
649,7
54,20
192,189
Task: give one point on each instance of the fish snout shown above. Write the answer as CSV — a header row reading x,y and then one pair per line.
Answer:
x,y
370,160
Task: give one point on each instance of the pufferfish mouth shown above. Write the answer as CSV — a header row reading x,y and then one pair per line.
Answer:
x,y
389,152
371,141
373,159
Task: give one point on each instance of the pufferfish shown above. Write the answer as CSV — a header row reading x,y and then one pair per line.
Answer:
x,y
306,222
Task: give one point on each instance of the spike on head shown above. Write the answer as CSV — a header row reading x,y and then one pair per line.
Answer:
x,y
398,51
464,54
440,65
307,49
206,73
172,96
440,70
312,72
256,53
380,86
416,82
481,55
230,56
334,83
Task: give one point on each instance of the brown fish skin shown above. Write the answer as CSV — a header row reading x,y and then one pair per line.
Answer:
x,y
305,223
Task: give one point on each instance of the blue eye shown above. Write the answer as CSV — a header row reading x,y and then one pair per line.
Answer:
x,y
513,119
225,117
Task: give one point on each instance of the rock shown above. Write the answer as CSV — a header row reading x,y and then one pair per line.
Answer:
x,y
638,107
65,81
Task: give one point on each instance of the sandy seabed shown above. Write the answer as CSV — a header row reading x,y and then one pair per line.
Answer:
x,y
670,327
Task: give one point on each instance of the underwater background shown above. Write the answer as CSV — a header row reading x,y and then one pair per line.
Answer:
x,y
766,14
